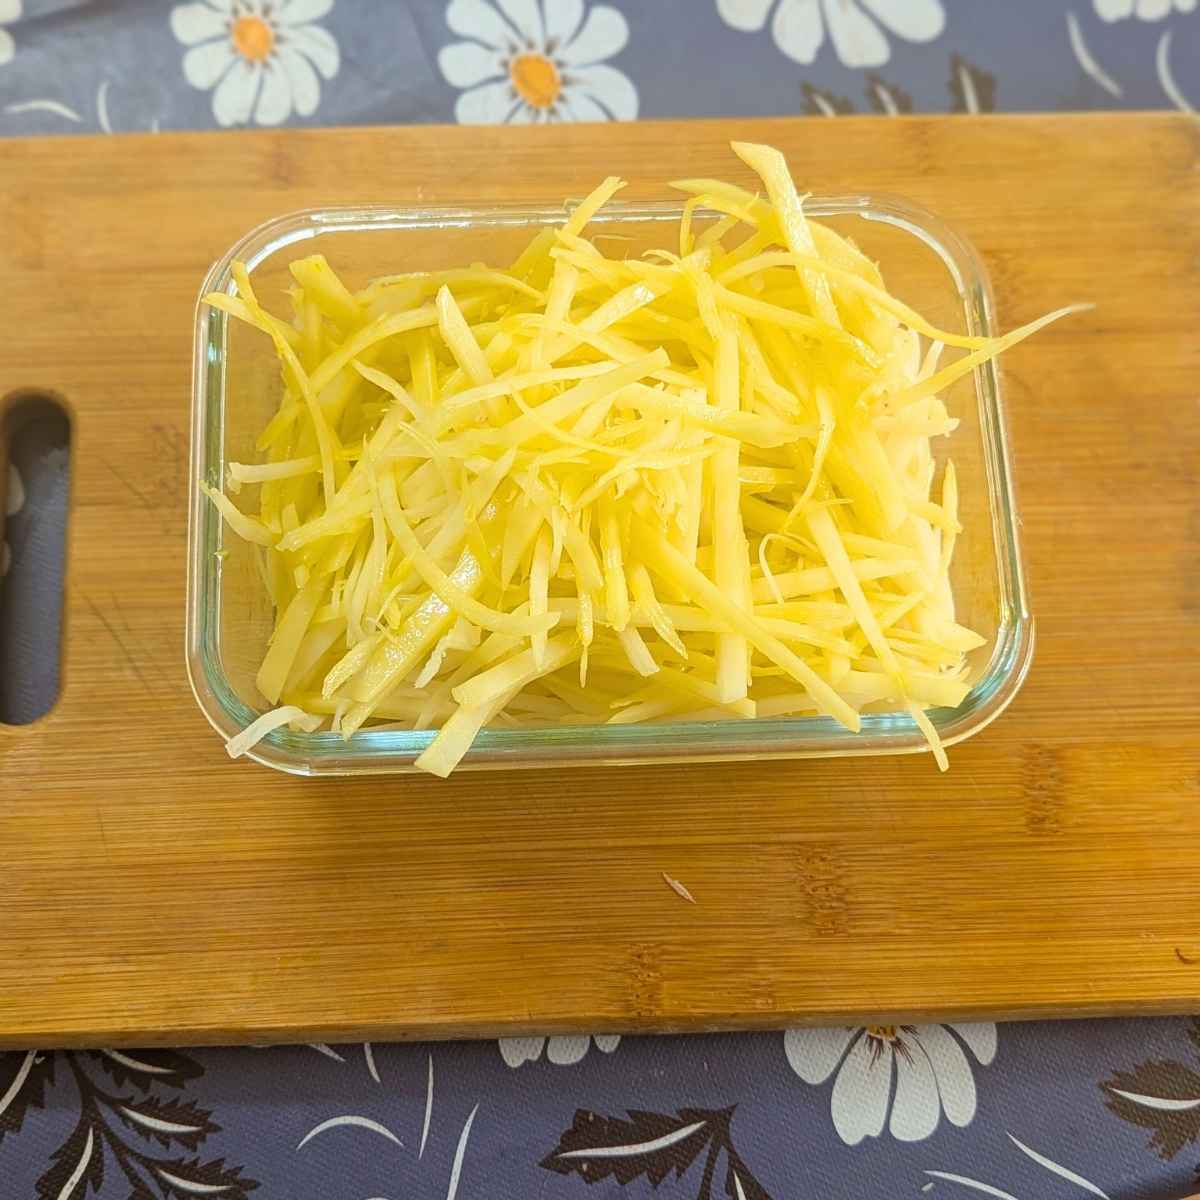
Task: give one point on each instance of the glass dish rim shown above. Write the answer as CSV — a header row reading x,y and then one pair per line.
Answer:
x,y
392,751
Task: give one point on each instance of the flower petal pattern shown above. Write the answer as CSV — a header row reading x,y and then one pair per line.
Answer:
x,y
537,61
565,1051
746,15
980,1038
608,88
259,60
956,1082
203,66
301,12
233,99
913,20
856,27
562,1051
861,1091
799,29
194,23
815,1053
525,16
516,1051
306,87
605,32
1144,10
858,40
916,1107
466,64
10,10
275,96
478,19
563,19
931,1075
318,46
491,104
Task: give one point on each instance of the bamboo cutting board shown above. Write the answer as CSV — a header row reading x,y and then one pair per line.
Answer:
x,y
153,892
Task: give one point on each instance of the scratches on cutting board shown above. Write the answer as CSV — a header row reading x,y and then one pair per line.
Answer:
x,y
128,655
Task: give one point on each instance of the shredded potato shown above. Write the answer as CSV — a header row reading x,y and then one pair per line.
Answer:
x,y
589,489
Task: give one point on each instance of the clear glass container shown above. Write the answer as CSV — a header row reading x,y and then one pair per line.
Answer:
x,y
236,387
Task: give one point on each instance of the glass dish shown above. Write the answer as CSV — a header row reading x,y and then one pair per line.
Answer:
x,y
236,389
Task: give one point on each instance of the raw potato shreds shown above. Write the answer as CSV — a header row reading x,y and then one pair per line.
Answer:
x,y
694,485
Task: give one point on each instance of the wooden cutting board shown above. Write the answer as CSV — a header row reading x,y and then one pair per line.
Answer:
x,y
153,892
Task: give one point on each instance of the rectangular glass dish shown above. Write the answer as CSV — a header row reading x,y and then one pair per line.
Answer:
x,y
236,389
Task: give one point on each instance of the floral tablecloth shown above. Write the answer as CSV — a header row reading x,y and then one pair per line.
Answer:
x,y
1021,1112
70,66
1052,1111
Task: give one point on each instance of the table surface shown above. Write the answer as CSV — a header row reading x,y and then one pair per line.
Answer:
x,y
1051,871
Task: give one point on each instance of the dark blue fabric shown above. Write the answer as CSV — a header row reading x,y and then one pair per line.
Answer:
x,y
91,65
282,1117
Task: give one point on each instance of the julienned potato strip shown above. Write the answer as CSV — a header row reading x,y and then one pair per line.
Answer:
x,y
687,486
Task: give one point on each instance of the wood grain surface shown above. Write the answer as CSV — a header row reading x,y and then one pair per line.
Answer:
x,y
153,892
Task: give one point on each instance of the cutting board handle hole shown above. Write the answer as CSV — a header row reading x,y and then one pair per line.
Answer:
x,y
35,475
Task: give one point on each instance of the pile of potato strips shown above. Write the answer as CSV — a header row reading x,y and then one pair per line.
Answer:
x,y
590,488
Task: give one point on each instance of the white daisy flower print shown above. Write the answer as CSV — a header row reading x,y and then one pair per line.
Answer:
x,y
10,10
533,61
799,26
933,1075
260,58
562,1051
1144,10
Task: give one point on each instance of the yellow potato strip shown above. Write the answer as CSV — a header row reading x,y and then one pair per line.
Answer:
x,y
772,169
667,561
516,672
441,583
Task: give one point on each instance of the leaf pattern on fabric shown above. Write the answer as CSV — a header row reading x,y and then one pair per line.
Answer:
x,y
1159,1095
77,1166
650,1146
24,1078
887,98
972,89
169,1122
145,1068
820,102
185,1179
